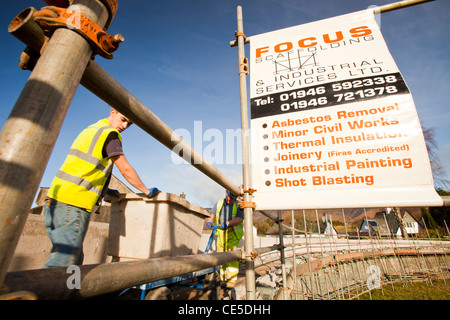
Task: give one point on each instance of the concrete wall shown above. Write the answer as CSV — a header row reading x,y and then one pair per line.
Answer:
x,y
34,245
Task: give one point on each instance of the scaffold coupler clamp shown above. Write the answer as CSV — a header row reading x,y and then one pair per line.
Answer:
x,y
240,34
111,6
243,64
247,204
51,17
252,256
250,191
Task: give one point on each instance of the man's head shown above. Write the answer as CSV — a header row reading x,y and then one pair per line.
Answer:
x,y
229,197
118,121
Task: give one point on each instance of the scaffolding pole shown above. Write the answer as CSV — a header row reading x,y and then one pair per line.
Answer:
x,y
250,281
100,279
31,130
29,134
105,87
398,5
35,122
99,82
102,84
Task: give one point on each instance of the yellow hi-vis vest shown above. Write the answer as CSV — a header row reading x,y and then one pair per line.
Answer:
x,y
239,228
81,178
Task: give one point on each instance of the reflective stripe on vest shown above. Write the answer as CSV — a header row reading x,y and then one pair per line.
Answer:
x,y
239,228
83,174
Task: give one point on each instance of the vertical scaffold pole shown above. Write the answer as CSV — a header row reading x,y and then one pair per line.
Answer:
x,y
248,212
29,135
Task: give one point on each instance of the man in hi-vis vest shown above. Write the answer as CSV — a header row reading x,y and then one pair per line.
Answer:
x,y
80,184
229,219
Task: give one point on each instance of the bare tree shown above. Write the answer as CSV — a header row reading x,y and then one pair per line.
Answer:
x,y
439,174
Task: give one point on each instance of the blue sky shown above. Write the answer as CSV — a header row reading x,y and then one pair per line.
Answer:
x,y
177,61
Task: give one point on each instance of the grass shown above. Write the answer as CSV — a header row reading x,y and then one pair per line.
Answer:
x,y
439,290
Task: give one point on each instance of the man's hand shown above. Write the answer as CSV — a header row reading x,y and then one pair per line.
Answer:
x,y
153,192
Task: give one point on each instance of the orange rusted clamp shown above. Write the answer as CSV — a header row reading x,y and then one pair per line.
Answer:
x,y
243,66
250,191
239,34
252,256
51,18
111,5
247,204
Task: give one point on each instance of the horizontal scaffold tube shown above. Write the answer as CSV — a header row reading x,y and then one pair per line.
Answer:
x,y
399,5
52,283
376,9
104,86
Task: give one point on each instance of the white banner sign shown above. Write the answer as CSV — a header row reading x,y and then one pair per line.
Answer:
x,y
333,122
